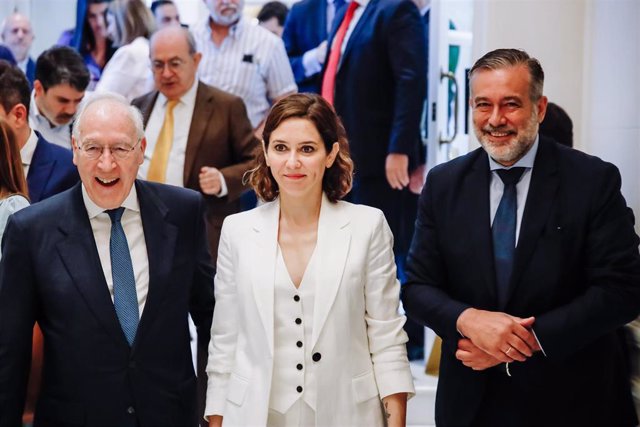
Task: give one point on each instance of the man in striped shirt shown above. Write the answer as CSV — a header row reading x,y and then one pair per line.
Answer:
x,y
243,59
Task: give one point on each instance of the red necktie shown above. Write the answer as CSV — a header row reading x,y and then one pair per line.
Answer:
x,y
329,79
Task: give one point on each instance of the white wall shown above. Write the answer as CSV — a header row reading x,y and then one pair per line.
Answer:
x,y
590,51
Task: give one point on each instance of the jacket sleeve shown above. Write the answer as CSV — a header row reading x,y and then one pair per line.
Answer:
x,y
18,312
224,330
384,325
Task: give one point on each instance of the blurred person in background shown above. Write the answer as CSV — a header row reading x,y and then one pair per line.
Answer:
x,y
61,81
13,187
165,13
89,37
272,16
17,35
130,24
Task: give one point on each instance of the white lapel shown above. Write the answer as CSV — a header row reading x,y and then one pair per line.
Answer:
x,y
263,275
334,237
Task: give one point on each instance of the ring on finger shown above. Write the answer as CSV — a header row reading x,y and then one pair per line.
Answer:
x,y
508,350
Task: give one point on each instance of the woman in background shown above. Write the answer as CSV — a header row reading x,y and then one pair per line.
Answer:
x,y
130,24
306,330
13,187
89,37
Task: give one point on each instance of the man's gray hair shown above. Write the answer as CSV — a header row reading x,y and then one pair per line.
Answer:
x,y
132,112
188,36
505,58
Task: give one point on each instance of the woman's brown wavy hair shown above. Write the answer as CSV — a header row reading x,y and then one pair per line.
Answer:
x,y
337,179
12,179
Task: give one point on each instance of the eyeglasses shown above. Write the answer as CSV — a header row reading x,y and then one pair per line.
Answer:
x,y
174,65
118,151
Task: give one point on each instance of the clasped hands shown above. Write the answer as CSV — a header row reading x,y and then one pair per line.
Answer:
x,y
492,338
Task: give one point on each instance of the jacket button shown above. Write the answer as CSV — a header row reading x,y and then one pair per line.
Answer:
x,y
299,389
316,357
299,343
299,366
130,410
296,298
298,321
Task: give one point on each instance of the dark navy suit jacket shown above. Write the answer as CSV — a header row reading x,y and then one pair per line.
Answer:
x,y
51,170
305,28
576,269
50,272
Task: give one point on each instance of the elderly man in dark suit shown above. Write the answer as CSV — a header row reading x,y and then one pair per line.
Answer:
x,y
525,262
210,144
109,269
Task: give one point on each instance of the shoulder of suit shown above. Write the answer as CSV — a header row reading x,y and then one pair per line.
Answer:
x,y
55,150
219,94
359,214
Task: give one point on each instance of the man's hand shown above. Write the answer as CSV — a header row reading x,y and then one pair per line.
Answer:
x,y
210,180
397,170
321,52
506,338
416,180
471,356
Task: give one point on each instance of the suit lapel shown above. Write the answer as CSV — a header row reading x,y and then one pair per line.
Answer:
x,y
160,237
541,197
320,10
366,15
87,274
202,114
39,171
146,106
263,275
474,192
332,247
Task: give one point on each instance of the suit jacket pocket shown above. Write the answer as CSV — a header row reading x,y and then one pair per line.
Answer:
x,y
237,389
364,387
57,413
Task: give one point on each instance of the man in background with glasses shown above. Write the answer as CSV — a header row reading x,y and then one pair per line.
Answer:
x,y
109,269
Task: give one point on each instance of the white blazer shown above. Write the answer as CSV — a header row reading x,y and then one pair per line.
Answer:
x,y
356,325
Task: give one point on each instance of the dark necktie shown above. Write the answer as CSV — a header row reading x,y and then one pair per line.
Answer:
x,y
125,298
503,231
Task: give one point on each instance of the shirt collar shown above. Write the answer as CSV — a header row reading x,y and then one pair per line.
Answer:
x,y
189,97
39,117
26,152
131,202
526,161
362,3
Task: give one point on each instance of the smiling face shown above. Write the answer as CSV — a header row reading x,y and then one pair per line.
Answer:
x,y
107,180
505,119
298,159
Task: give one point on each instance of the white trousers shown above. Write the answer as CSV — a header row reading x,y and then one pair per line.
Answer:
x,y
299,415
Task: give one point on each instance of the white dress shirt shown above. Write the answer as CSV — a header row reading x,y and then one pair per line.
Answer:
x,y
251,63
59,135
26,152
132,225
496,186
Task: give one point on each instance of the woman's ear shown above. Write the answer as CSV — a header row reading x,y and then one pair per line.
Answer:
x,y
331,157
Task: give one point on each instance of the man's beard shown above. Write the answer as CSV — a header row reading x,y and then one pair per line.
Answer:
x,y
513,150
227,20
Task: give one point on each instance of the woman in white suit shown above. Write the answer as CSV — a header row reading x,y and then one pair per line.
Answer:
x,y
306,330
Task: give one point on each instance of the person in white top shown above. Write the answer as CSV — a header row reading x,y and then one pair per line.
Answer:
x,y
306,329
242,58
128,73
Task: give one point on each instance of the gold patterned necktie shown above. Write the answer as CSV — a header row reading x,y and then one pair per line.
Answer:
x,y
158,165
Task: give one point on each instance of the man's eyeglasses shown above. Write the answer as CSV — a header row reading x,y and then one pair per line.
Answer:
x,y
174,65
118,151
